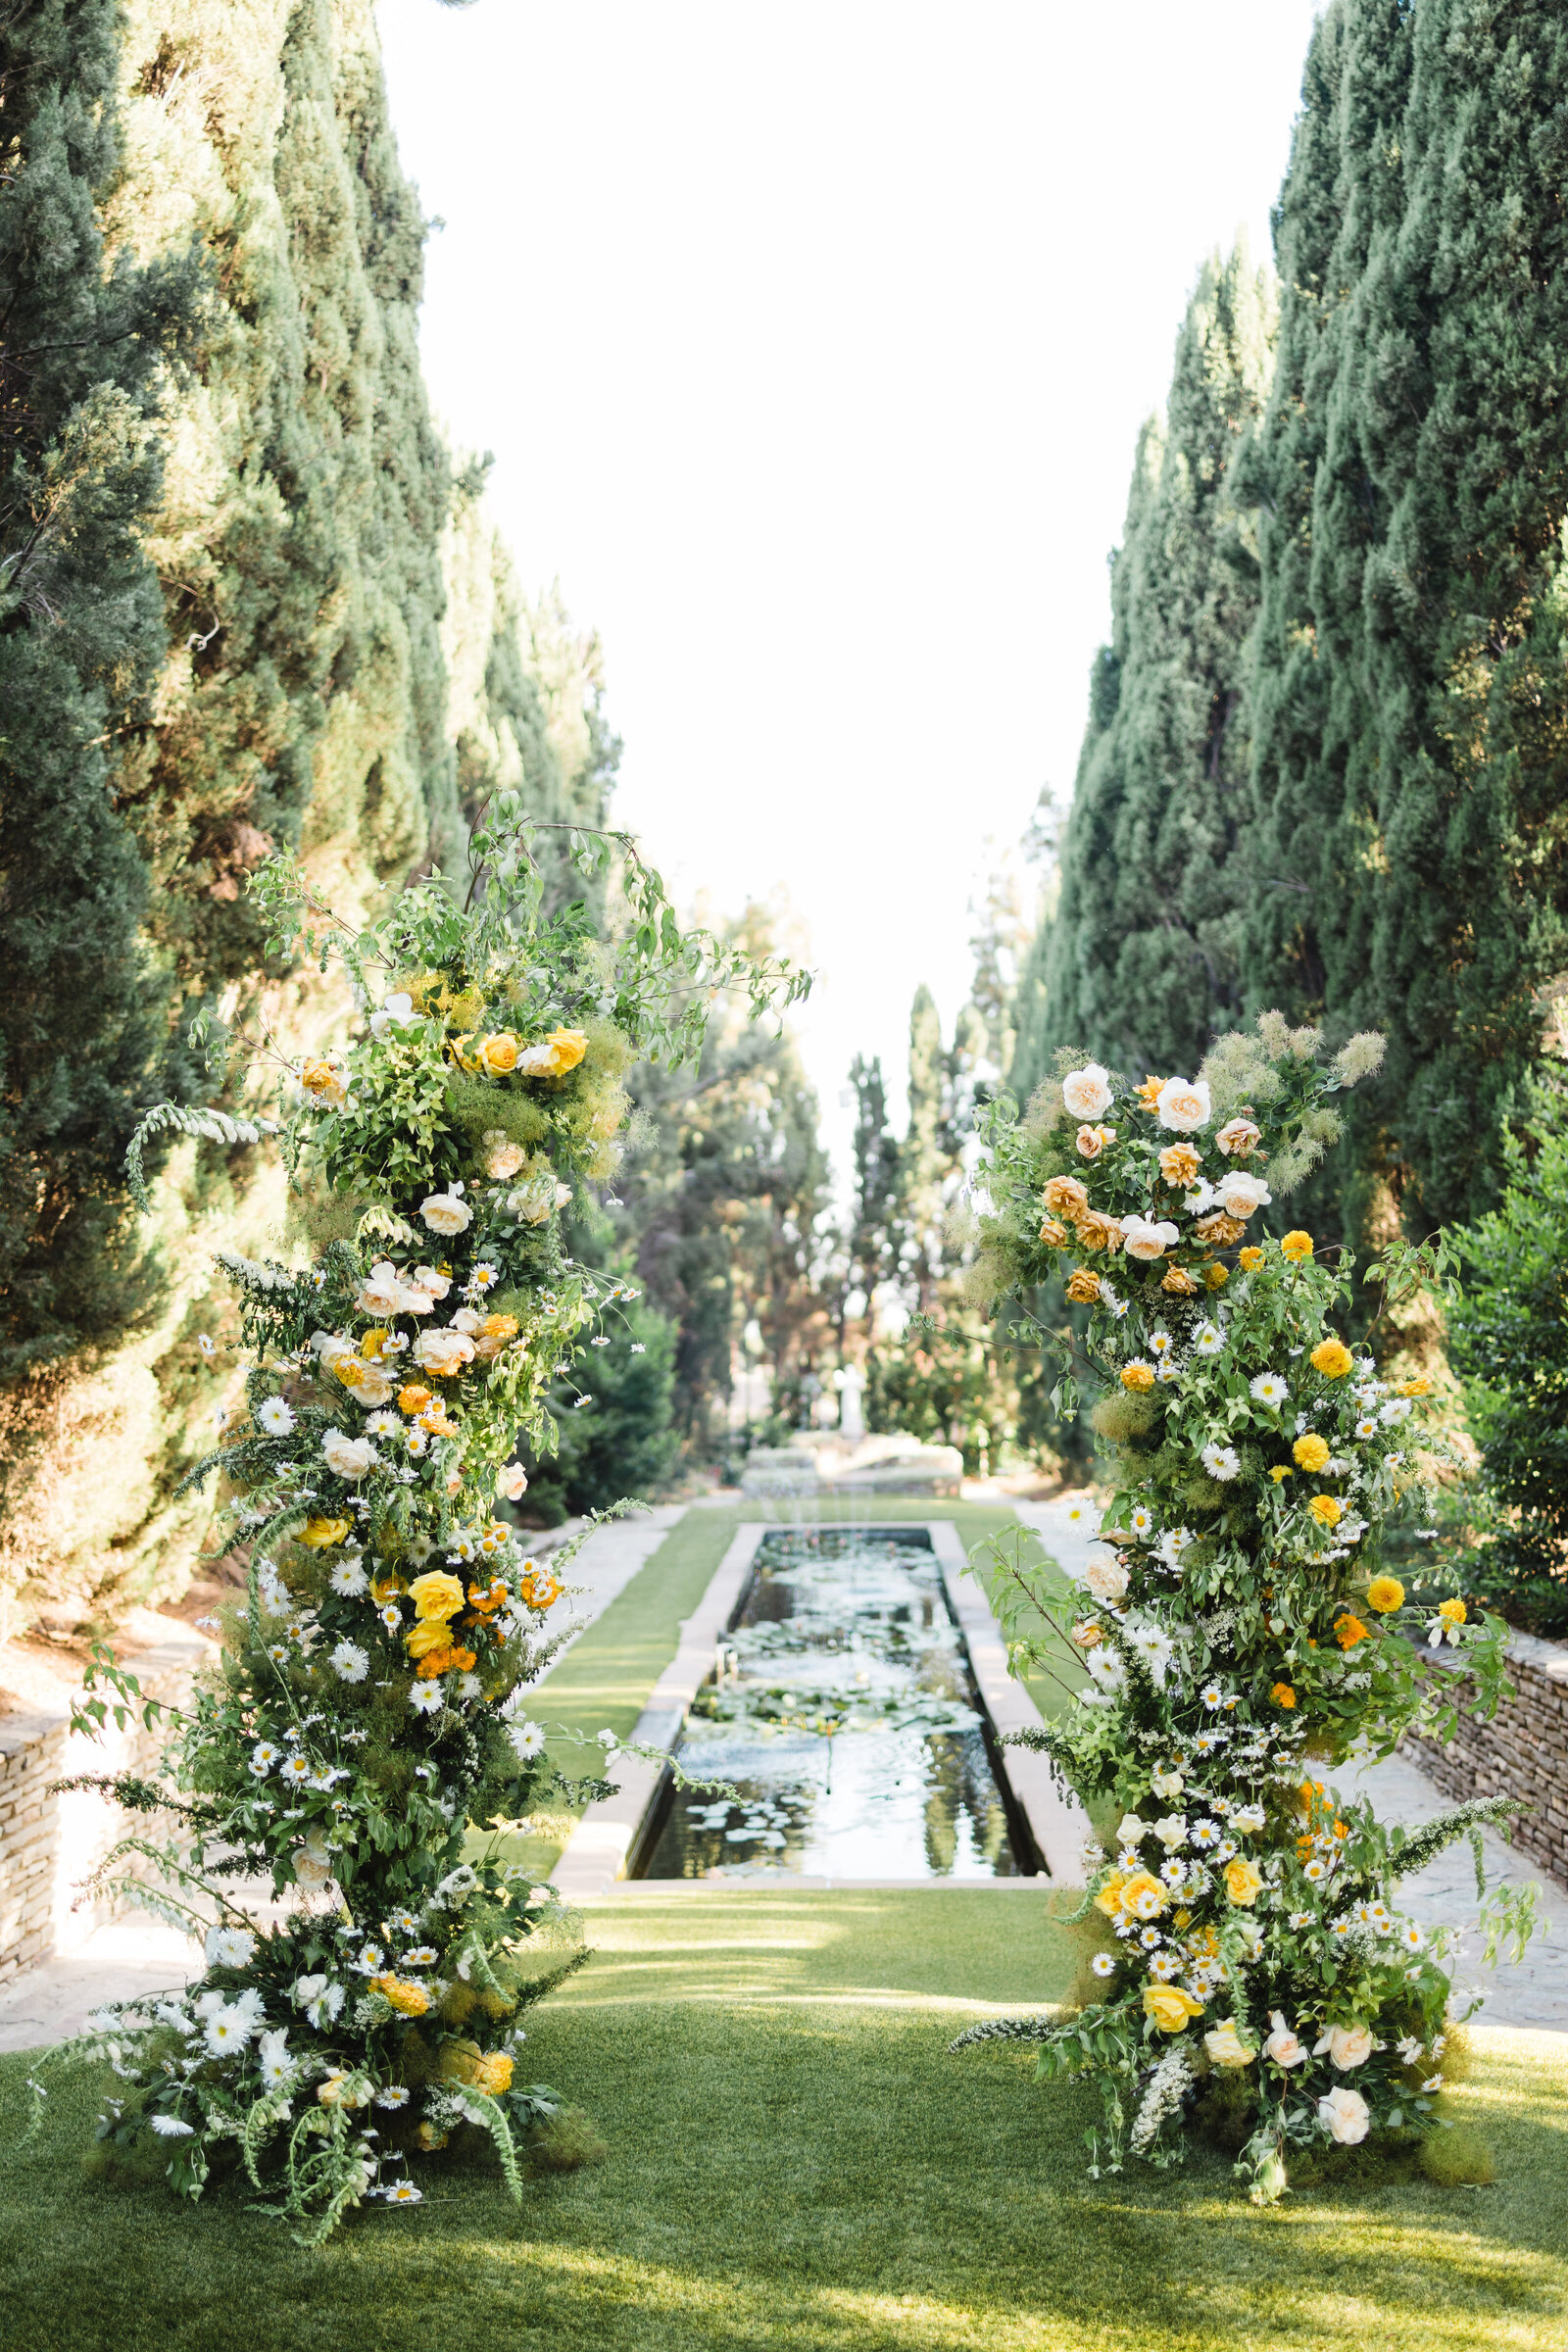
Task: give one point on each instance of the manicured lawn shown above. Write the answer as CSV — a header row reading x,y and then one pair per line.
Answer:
x,y
796,2162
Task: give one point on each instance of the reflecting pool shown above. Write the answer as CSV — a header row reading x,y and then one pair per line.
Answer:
x,y
847,1719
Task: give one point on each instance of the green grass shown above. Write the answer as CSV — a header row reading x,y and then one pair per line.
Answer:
x,y
796,2162
605,1680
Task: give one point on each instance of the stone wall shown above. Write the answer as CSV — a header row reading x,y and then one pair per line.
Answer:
x,y
48,1844
1523,1752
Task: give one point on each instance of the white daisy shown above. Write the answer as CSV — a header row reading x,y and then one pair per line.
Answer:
x,y
1301,1919
1141,1521
1103,1964
425,1698
1212,1697
350,1578
296,1768
1204,1834
1270,1390
423,1955
1160,1343
230,2028
263,1755
169,2126
1167,1370
1151,1939
395,2095
1164,1966
403,2193
1315,1869
1411,1937
1210,1340
349,1662
276,1416
383,1424
1221,1461
1367,1426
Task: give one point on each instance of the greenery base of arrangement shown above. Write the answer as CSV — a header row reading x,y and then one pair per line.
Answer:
x,y
362,1744
1237,1635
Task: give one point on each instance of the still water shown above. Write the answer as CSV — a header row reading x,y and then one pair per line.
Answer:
x,y
848,1721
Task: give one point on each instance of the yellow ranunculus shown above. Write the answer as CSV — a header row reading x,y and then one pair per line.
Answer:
x,y
1242,1881
319,1534
1454,1612
493,2074
1297,1246
499,1053
1281,1470
1137,1376
1170,2007
1217,1276
1326,1509
1420,1386
1385,1592
1332,1358
1250,1258
1225,2045
406,1998
414,1398
1312,1451
436,1593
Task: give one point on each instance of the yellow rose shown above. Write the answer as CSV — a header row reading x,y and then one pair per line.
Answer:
x,y
499,1053
1326,1509
1138,1375
1242,1881
569,1047
436,1594
1170,2007
1332,1358
1385,1592
1108,1899
1225,2045
1283,1696
319,1534
433,1634
1297,1246
1142,1896
1083,1288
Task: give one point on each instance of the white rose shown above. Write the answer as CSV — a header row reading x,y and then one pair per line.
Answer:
x,y
1282,2045
1240,1194
1346,2047
444,1212
513,1482
348,1457
431,1283
329,1348
1168,1783
533,1201
1182,1104
1345,2115
1131,1830
1171,1831
307,1988
443,1352
1106,1579
1148,1238
1087,1092
398,1009
466,1320
383,1290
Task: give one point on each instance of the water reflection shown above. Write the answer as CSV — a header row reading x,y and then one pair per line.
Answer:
x,y
848,1721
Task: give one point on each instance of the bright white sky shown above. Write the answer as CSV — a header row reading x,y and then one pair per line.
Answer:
x,y
812,341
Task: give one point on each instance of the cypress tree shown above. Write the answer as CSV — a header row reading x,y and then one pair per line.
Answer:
x,y
1411,697
1140,961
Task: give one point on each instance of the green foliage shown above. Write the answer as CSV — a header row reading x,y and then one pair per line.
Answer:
x,y
1509,1337
1142,956
1411,485
96,348
938,1384
620,1439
